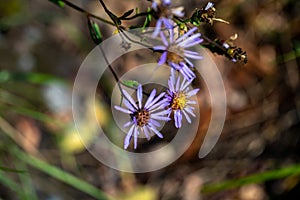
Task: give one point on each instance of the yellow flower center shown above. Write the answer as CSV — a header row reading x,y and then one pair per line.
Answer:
x,y
142,117
179,101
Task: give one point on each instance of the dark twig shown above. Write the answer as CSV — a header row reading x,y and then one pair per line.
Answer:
x,y
87,13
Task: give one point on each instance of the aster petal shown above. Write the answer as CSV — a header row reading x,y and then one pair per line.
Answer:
x,y
166,104
134,120
187,117
169,93
157,28
122,109
167,22
188,53
154,123
140,95
183,84
186,90
191,52
163,58
170,111
172,76
177,118
171,84
197,57
156,132
175,66
163,112
159,117
135,137
192,92
159,105
209,5
190,40
167,2
189,62
131,101
171,33
189,110
160,47
156,100
154,5
187,73
146,132
193,43
185,87
178,11
184,36
191,102
171,81
177,84
150,98
128,137
128,124
147,126
128,105
163,38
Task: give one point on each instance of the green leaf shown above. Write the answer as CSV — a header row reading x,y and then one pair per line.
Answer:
x,y
9,183
131,83
60,3
148,19
255,178
59,174
36,115
95,31
7,169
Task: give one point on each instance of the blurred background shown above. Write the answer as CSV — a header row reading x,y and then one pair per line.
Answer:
x,y
257,157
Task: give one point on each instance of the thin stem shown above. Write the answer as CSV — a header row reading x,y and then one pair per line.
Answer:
x,y
213,43
114,23
104,7
137,15
202,36
87,13
113,18
114,75
109,13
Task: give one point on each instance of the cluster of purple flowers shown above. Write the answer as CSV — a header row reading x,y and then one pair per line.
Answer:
x,y
176,101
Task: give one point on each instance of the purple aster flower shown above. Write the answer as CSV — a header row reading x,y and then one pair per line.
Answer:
x,y
175,53
165,14
178,97
143,118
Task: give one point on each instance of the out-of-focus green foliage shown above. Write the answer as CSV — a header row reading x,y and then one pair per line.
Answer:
x,y
255,178
60,3
35,78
